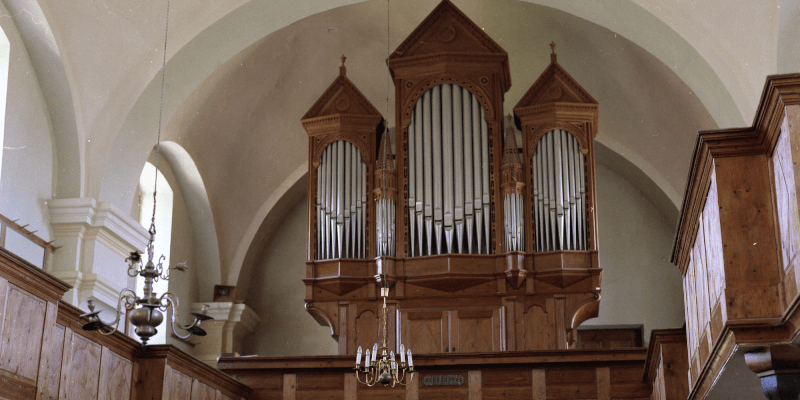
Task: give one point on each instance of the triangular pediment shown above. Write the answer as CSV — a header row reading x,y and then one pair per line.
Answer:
x,y
341,97
446,29
555,85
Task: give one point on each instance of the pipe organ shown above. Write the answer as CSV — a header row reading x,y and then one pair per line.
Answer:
x,y
487,245
559,191
341,202
448,173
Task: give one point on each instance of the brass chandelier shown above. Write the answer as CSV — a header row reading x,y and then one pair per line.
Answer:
x,y
380,365
147,311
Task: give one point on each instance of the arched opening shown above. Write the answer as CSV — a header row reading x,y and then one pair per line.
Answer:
x,y
163,223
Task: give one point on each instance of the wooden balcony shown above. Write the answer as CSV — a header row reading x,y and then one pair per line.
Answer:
x,y
738,236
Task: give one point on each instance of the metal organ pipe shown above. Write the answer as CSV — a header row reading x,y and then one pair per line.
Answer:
x,y
448,174
458,163
559,192
436,113
341,199
447,153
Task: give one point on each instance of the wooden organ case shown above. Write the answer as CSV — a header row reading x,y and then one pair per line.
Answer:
x,y
463,254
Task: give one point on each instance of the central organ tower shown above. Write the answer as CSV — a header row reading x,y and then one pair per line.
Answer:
x,y
488,246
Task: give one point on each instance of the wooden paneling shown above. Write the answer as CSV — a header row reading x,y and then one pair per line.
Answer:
x,y
424,331
21,337
476,331
201,391
454,330
81,368
222,396
44,354
50,362
115,376
366,331
609,338
667,365
177,385
536,327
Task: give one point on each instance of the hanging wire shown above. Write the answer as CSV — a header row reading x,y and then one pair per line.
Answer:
x,y
152,229
386,136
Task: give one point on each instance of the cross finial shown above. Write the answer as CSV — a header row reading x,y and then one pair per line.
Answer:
x,y
343,69
553,54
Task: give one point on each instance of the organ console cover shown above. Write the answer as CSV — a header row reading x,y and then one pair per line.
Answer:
x,y
488,246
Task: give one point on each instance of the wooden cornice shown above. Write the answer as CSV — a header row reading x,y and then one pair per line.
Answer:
x,y
779,91
236,365
31,278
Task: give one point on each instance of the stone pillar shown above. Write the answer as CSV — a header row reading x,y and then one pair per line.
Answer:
x,y
231,323
777,366
94,239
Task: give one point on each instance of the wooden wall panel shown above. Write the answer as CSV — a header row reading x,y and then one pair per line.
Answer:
x,y
50,360
506,383
536,329
366,332
320,386
116,376
81,368
476,331
222,396
571,383
177,386
424,331
201,391
21,337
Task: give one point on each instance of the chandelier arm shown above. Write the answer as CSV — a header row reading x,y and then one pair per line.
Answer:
x,y
126,294
172,300
168,297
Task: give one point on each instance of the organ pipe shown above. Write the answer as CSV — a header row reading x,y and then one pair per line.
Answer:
x,y
385,195
341,195
559,192
449,180
512,185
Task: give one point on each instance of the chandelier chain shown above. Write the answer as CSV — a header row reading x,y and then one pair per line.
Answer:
x,y
385,239
152,229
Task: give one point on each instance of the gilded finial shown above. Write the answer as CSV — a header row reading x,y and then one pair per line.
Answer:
x,y
343,69
553,54
509,126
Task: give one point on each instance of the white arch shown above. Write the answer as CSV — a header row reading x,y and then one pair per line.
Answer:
x,y
201,218
69,174
269,206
